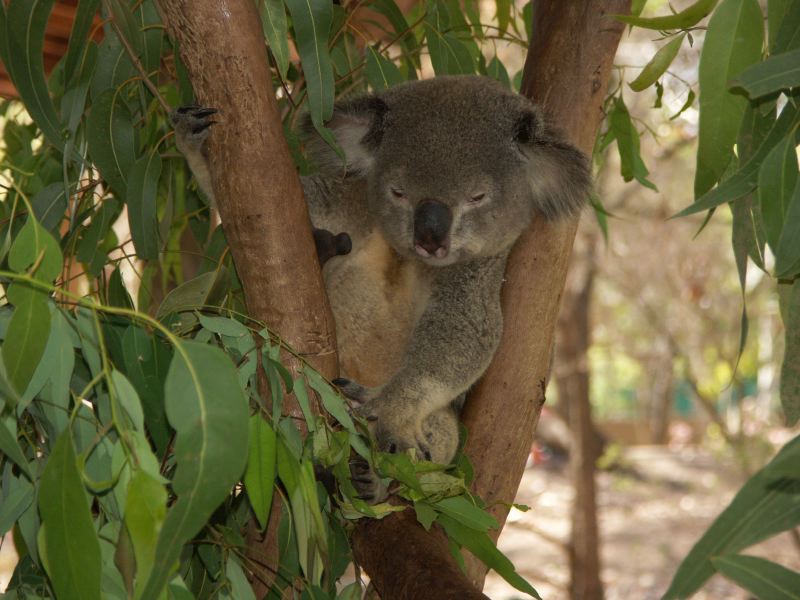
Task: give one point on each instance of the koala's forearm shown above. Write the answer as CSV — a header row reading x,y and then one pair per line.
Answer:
x,y
336,204
454,341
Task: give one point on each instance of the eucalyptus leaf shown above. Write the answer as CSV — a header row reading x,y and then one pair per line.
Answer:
x,y
760,577
779,72
273,21
259,477
777,179
72,549
110,134
144,516
681,20
143,204
658,64
208,411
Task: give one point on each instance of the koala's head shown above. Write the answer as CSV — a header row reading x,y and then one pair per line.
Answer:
x,y
456,167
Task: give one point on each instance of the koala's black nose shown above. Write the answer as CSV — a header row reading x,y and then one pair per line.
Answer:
x,y
432,220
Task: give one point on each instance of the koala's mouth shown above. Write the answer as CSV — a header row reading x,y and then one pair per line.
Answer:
x,y
432,251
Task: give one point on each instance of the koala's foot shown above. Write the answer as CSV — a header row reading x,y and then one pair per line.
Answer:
x,y
192,124
368,484
394,431
330,245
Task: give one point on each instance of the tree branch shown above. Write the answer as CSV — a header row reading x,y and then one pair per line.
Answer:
x,y
566,73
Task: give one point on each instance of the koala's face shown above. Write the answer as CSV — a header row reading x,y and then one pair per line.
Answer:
x,y
457,166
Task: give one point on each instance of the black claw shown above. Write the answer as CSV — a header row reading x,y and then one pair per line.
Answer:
x,y
427,455
372,418
340,382
364,480
201,126
392,448
186,108
201,113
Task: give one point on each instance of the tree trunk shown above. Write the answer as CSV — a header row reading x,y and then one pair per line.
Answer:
x,y
572,379
566,72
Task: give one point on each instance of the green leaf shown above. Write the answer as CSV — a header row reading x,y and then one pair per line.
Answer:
x,y
449,55
658,64
26,340
146,507
684,19
25,25
18,496
128,399
259,477
240,587
300,392
631,164
777,178
381,73
143,204
34,246
426,514
203,291
762,578
110,134
72,550
223,326
788,252
745,179
466,513
733,42
147,360
10,448
117,294
783,23
49,205
273,21
497,70
331,400
481,546
82,24
208,411
312,22
790,369
503,15
761,508
778,73
73,103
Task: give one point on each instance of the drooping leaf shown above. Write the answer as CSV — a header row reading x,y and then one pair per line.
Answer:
x,y
503,15
745,179
790,369
146,508
147,360
204,290
496,70
760,577
273,21
682,20
381,73
18,496
73,103
10,448
110,134
658,64
142,205
761,508
240,587
787,256
733,42
84,16
480,545
128,399
627,137
259,477
465,512
312,23
35,247
49,205
777,179
208,411
779,72
72,550
24,29
784,26
26,340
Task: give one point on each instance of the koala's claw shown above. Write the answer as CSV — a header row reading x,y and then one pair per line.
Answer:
x,y
191,124
367,483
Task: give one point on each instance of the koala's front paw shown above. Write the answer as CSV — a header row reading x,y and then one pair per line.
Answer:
x,y
330,245
192,124
368,484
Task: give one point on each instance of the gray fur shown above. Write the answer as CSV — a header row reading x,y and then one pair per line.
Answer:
x,y
416,331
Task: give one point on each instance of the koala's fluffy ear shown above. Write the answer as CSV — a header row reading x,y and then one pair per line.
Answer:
x,y
559,174
357,125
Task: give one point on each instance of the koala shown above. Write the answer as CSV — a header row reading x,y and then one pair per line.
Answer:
x,y
439,179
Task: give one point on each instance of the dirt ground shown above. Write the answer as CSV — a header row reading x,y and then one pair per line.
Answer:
x,y
649,518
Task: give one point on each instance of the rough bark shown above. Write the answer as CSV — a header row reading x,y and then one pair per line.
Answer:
x,y
572,378
259,196
566,73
